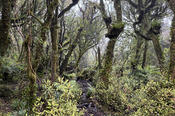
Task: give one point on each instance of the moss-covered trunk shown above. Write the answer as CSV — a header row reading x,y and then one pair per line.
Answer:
x,y
108,60
44,28
136,59
145,54
99,58
31,75
158,51
5,26
172,51
114,31
54,36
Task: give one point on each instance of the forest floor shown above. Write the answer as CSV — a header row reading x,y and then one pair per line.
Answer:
x,y
86,102
6,90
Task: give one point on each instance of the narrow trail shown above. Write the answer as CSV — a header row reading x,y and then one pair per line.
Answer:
x,y
86,102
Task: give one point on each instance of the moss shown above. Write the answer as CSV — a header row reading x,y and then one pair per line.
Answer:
x,y
155,23
118,25
155,27
115,30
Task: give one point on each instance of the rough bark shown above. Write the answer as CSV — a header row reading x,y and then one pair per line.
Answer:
x,y
145,54
172,47
4,27
158,50
114,31
99,58
31,75
118,10
136,59
44,28
54,37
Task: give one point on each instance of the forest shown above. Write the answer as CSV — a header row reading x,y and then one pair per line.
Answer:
x,y
87,57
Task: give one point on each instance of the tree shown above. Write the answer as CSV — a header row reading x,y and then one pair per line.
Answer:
x,y
4,27
172,47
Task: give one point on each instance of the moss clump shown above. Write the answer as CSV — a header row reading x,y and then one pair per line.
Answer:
x,y
118,25
155,23
115,30
155,27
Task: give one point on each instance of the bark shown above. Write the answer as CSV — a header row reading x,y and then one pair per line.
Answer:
x,y
99,58
31,75
4,27
118,10
159,52
54,37
78,60
172,47
172,51
135,62
44,28
71,48
113,33
145,54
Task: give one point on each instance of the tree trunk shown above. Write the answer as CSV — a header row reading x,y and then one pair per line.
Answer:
x,y
31,76
172,51
54,37
113,33
118,9
135,62
99,58
44,27
5,26
145,54
158,50
108,59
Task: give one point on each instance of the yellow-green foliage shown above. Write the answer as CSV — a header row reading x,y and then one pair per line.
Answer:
x,y
156,98
111,97
133,96
58,99
118,25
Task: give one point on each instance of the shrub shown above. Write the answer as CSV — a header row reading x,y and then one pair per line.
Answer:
x,y
156,98
59,98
